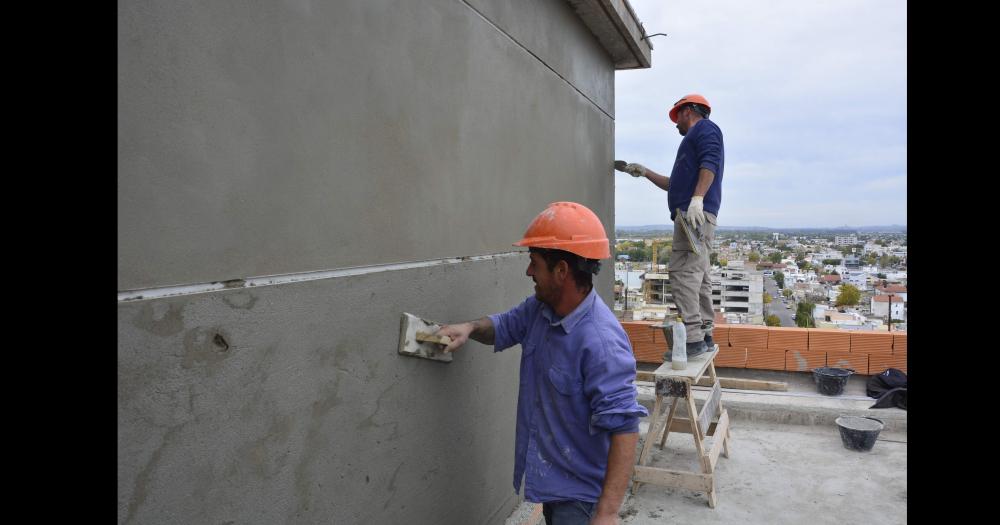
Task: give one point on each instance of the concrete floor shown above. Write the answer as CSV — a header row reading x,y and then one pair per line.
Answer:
x,y
780,470
776,474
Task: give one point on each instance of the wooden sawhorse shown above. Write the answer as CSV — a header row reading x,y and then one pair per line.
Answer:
x,y
677,385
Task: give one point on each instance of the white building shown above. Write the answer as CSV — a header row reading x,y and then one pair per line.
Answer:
x,y
880,307
737,293
845,240
856,277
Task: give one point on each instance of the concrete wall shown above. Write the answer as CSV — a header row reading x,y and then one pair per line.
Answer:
x,y
301,136
275,138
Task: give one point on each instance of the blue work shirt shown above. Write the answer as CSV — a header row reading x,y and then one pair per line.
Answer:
x,y
701,148
577,388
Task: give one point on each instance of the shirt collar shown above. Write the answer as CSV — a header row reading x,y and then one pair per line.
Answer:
x,y
570,321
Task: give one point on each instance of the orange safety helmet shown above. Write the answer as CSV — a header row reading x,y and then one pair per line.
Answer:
x,y
570,227
693,98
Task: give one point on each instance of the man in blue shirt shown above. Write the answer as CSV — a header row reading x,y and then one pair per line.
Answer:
x,y
577,414
694,186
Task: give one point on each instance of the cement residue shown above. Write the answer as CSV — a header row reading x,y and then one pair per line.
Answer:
x,y
161,318
204,346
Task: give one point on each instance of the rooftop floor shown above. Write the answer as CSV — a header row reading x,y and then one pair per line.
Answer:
x,y
787,462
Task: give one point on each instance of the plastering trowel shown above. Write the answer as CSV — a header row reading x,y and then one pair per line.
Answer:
x,y
417,339
620,165
693,235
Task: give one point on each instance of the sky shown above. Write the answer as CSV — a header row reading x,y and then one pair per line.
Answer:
x,y
810,96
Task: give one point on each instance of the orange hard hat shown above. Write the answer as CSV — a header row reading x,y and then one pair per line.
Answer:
x,y
570,227
693,98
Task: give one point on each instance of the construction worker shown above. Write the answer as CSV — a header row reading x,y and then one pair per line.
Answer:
x,y
694,186
577,414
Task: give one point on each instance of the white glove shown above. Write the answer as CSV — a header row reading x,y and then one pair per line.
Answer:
x,y
636,170
696,212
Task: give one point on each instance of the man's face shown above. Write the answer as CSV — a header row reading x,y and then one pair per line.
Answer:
x,y
682,121
546,289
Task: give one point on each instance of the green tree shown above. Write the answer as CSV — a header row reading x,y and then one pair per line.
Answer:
x,y
772,320
723,262
849,295
774,257
804,315
753,257
713,258
780,279
787,293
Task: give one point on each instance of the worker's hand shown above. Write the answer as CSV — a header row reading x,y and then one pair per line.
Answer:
x,y
696,212
635,169
459,334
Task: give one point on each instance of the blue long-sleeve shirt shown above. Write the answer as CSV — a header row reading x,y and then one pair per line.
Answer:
x,y
576,390
702,147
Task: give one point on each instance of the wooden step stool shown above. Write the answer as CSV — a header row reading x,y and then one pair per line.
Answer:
x,y
677,384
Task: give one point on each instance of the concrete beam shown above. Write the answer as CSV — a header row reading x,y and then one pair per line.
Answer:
x,y
618,30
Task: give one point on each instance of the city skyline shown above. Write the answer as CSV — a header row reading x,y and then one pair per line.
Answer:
x,y
812,105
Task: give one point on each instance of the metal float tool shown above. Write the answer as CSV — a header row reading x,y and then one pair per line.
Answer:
x,y
417,339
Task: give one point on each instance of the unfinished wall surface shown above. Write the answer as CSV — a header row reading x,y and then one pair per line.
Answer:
x,y
289,404
301,136
282,138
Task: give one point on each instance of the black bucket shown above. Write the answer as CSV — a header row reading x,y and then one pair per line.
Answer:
x,y
831,381
859,433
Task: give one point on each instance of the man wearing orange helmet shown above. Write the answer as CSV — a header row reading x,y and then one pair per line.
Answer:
x,y
694,186
577,413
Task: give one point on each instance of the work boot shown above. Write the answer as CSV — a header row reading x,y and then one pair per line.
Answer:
x,y
694,349
709,343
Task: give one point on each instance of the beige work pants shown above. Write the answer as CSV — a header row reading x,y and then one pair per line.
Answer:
x,y
689,279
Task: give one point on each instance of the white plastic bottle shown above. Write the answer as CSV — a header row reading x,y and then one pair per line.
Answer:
x,y
678,354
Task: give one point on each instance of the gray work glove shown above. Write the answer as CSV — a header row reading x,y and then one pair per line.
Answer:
x,y
636,170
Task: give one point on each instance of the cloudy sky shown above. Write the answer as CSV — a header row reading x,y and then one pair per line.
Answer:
x,y
810,96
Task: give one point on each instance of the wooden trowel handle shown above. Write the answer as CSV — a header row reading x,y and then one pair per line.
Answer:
x,y
431,338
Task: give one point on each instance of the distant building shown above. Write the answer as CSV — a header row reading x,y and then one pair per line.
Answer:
x,y
857,278
852,262
830,279
880,306
845,240
894,289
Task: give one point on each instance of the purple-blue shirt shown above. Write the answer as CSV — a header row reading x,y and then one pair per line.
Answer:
x,y
577,389
702,147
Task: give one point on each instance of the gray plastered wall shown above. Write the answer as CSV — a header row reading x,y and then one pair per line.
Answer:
x,y
275,138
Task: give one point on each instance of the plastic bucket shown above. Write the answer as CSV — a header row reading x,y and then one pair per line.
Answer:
x,y
831,381
859,433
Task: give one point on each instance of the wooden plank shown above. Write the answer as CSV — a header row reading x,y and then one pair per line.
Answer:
x,y
674,478
670,420
726,382
711,407
747,384
674,387
720,438
697,433
695,368
651,431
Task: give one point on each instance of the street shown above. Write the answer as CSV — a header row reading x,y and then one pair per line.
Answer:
x,y
777,307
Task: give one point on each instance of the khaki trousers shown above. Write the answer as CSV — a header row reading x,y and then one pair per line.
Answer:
x,y
689,279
